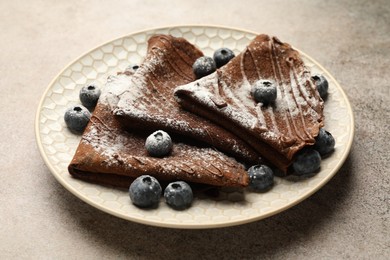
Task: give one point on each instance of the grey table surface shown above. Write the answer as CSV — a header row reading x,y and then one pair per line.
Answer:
x,y
347,218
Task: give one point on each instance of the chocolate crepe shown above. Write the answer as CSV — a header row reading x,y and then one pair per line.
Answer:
x,y
277,131
149,102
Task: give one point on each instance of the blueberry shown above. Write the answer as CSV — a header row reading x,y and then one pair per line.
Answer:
x,y
261,177
322,85
223,56
204,66
178,195
158,144
307,161
89,95
145,191
324,142
77,118
264,91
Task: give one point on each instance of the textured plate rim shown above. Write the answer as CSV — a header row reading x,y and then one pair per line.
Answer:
x,y
84,198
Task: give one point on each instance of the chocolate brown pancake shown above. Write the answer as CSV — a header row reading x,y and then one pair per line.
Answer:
x,y
108,154
277,131
149,103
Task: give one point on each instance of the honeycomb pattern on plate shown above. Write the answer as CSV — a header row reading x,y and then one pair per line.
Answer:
x,y
232,207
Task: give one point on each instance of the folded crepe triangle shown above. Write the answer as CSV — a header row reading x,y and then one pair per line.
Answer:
x,y
149,102
109,154
277,131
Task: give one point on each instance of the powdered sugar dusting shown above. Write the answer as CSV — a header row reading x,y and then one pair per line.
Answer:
x,y
114,88
109,144
207,82
205,90
132,93
242,104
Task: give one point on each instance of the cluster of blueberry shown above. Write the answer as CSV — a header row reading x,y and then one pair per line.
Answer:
x,y
78,116
206,65
145,192
308,160
306,164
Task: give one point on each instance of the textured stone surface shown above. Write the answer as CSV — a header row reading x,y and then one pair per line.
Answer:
x,y
347,218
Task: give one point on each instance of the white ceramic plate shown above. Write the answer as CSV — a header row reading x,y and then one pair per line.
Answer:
x,y
57,145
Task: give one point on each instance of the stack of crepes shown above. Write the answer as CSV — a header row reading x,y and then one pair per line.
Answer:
x,y
214,122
